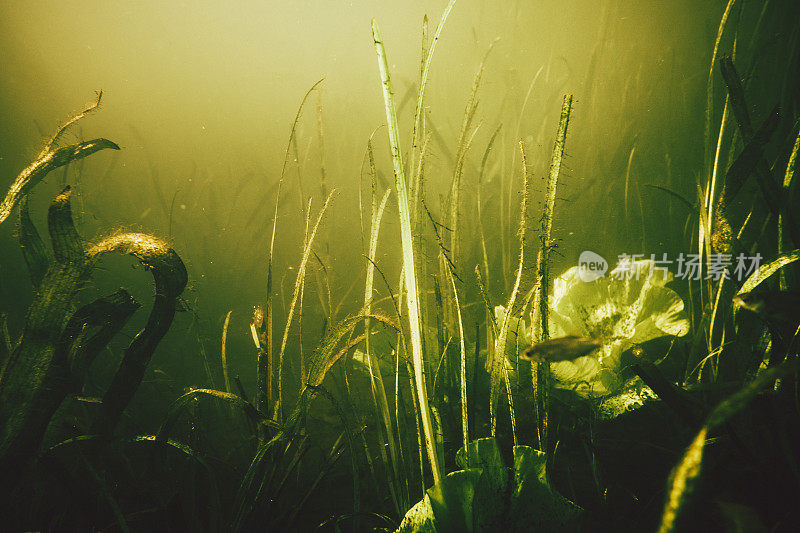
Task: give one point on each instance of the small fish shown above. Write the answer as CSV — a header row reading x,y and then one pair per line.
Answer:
x,y
781,307
88,399
561,349
780,311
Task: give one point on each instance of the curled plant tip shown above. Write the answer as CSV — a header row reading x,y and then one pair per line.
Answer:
x,y
167,268
170,277
33,248
47,161
62,156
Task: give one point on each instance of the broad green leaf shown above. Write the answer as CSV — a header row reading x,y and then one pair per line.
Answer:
x,y
488,496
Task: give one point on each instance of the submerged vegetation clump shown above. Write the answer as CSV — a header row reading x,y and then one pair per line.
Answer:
x,y
481,382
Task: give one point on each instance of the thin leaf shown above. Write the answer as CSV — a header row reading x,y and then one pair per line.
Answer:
x,y
765,271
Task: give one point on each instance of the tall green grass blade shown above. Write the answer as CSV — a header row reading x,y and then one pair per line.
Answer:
x,y
710,83
292,143
787,189
224,354
498,367
419,431
323,187
463,366
409,267
463,145
300,353
269,374
492,321
792,163
479,204
423,82
301,272
714,203
627,181
541,319
376,379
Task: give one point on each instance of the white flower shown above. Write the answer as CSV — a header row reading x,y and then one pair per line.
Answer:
x,y
630,306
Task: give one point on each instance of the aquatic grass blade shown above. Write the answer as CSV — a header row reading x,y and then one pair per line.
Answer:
x,y
301,272
224,354
498,369
686,473
463,360
169,278
540,313
376,379
47,162
409,266
234,400
765,271
33,248
423,80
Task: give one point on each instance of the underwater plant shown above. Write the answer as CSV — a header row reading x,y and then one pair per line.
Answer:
x,y
631,306
604,317
486,495
51,357
401,400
